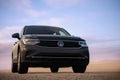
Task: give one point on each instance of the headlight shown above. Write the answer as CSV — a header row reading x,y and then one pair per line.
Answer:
x,y
82,43
31,41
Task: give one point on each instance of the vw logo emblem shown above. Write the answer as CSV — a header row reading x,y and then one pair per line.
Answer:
x,y
60,43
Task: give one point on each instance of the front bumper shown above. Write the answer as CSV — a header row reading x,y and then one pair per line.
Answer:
x,y
35,55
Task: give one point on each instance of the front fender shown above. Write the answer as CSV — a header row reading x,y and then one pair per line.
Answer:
x,y
15,51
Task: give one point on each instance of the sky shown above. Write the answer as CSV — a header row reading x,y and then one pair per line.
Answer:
x,y
96,21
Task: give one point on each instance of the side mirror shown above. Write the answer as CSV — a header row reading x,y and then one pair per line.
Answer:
x,y
16,35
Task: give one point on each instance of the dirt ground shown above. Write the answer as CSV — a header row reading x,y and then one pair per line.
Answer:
x,y
109,70
60,76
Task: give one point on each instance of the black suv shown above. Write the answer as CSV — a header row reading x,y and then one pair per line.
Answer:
x,y
47,46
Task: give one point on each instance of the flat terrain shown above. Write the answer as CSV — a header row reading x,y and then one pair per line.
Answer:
x,y
60,76
109,70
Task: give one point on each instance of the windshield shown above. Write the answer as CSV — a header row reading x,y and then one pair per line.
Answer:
x,y
44,30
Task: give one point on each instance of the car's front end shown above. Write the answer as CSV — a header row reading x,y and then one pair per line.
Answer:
x,y
54,50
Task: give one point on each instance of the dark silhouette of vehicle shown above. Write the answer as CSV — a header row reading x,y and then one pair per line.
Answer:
x,y
47,46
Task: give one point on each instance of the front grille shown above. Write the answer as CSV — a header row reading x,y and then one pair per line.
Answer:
x,y
48,43
71,44
55,44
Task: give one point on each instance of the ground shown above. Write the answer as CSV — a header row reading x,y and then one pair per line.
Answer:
x,y
7,75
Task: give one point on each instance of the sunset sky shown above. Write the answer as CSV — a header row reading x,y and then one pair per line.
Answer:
x,y
96,21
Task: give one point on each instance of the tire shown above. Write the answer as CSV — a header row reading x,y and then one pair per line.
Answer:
x,y
22,67
79,68
14,67
54,69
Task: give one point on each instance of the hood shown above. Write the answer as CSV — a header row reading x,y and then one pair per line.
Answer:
x,y
53,37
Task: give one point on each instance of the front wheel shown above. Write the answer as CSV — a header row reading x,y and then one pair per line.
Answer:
x,y
79,68
22,67
14,67
54,69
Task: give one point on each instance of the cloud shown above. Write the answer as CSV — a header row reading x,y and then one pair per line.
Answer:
x,y
93,39
105,50
35,13
7,31
16,4
61,3
53,21
5,48
24,7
